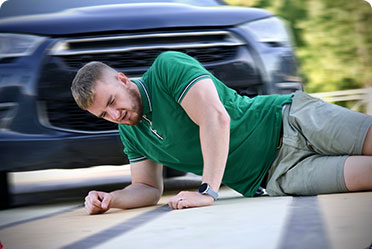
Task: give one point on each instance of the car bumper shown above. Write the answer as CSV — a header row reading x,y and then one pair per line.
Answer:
x,y
20,152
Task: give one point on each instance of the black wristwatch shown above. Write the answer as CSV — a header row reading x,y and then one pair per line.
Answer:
x,y
205,189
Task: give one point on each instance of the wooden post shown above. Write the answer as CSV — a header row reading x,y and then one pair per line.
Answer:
x,y
369,101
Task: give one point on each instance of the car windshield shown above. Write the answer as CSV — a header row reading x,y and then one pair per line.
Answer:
x,y
11,8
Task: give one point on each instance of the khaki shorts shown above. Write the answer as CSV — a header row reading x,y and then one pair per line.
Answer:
x,y
317,139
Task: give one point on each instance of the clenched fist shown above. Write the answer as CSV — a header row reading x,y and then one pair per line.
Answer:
x,y
97,202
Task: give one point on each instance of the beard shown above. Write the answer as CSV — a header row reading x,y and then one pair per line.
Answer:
x,y
137,107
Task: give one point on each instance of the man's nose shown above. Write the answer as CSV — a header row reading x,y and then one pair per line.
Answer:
x,y
114,113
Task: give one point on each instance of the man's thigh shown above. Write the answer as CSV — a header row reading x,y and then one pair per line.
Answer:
x,y
329,129
315,175
317,139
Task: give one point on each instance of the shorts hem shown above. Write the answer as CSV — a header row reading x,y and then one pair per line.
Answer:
x,y
363,133
341,176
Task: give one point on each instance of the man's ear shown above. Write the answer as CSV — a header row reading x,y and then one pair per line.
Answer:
x,y
124,79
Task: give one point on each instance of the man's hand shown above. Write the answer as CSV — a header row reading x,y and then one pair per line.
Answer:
x,y
97,202
187,199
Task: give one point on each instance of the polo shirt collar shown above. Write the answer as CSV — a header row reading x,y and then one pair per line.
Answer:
x,y
145,95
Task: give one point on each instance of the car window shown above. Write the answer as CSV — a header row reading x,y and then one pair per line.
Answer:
x,y
31,7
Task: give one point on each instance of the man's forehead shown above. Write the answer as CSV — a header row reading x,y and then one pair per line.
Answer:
x,y
100,98
97,90
101,87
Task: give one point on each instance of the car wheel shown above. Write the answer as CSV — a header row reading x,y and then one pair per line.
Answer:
x,y
169,172
4,190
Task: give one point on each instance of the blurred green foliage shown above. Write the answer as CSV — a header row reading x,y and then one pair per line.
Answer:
x,y
333,38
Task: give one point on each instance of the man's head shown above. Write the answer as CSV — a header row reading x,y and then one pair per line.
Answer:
x,y
107,94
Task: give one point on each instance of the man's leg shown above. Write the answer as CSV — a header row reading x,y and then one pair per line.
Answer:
x,y
358,173
367,146
318,139
358,169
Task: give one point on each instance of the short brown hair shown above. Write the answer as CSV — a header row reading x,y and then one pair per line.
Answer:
x,y
82,87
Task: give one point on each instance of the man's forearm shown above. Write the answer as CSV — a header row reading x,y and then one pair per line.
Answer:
x,y
134,196
204,107
215,137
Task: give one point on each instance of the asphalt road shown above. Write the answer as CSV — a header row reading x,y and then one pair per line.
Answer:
x,y
339,221
60,184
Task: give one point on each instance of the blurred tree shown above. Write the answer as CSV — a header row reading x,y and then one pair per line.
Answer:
x,y
337,44
334,40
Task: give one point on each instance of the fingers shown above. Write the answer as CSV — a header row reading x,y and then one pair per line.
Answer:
x,y
90,208
97,202
176,203
186,199
179,201
106,199
181,204
93,198
172,202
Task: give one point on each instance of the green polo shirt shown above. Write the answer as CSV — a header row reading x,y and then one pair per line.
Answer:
x,y
168,136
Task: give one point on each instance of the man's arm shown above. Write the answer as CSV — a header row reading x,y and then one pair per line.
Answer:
x,y
202,104
145,190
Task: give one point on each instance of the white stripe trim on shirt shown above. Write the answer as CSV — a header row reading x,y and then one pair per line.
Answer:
x,y
137,159
147,94
189,85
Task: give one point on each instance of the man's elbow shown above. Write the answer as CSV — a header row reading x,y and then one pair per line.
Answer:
x,y
157,195
223,118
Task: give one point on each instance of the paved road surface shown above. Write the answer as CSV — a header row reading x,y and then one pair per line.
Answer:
x,y
339,221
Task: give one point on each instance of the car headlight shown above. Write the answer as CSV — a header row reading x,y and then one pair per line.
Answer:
x,y
271,30
15,45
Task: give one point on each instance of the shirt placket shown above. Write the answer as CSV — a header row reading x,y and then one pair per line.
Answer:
x,y
151,129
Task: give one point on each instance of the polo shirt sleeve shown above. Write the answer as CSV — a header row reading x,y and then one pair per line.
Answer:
x,y
178,72
133,155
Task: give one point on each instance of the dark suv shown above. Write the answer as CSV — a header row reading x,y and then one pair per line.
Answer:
x,y
43,43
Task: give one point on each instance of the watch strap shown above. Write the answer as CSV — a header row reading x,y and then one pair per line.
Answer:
x,y
205,189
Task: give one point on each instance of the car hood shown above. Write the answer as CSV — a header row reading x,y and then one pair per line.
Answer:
x,y
127,17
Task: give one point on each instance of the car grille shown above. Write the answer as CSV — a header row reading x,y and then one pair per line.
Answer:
x,y
137,59
73,118
131,54
136,51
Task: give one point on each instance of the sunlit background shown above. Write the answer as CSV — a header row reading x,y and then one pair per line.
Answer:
x,y
333,38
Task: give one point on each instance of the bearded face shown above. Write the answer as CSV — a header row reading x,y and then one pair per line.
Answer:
x,y
118,101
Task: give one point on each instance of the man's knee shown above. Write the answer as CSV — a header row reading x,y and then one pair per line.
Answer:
x,y
358,173
367,146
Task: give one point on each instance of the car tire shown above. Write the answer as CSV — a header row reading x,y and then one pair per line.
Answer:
x,y
4,191
169,172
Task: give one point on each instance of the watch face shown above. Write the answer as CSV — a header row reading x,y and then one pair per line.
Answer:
x,y
203,187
